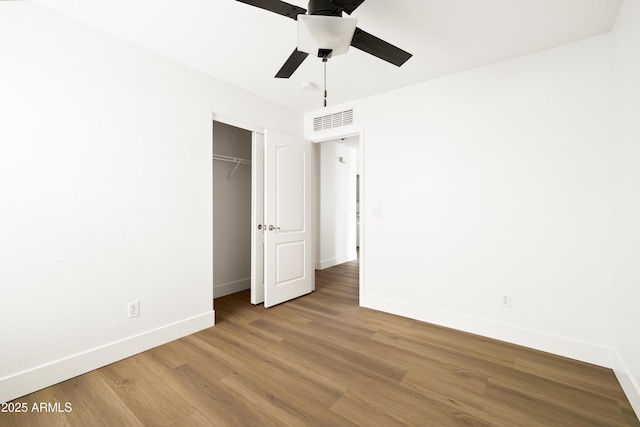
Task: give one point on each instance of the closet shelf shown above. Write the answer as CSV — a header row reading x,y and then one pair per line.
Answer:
x,y
236,160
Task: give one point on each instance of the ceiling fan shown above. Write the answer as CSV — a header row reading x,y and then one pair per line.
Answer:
x,y
322,31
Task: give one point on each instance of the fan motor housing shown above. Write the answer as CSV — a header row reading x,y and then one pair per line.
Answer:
x,y
324,7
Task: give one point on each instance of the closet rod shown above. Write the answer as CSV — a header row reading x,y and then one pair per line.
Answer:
x,y
231,159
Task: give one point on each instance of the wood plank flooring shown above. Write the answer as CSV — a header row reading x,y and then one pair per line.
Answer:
x,y
321,360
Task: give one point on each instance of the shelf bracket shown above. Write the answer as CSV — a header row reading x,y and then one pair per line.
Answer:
x,y
233,171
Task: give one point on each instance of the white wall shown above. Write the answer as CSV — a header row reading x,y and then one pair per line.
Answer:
x,y
497,180
105,195
231,212
337,224
626,37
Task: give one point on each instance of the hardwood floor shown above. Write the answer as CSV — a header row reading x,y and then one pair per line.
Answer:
x,y
322,360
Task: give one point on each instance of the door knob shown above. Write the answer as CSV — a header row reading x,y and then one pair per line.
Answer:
x,y
259,226
271,228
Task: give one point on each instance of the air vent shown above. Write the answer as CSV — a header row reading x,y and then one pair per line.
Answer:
x,y
332,121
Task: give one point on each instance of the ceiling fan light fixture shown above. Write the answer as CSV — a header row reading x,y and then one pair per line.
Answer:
x,y
317,33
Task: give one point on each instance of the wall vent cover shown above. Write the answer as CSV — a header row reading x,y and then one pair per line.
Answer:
x,y
332,121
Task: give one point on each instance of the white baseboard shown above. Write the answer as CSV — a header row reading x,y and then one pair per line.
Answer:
x,y
231,287
40,377
562,346
629,385
321,265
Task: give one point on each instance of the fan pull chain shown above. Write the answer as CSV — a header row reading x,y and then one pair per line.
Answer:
x,y
325,81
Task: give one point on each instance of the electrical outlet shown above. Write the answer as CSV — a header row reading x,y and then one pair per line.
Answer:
x,y
506,300
133,309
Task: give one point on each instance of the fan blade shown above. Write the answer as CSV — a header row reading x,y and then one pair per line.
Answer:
x,y
380,48
292,64
348,5
277,6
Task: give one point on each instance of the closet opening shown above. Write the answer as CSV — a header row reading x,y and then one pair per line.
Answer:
x,y
232,150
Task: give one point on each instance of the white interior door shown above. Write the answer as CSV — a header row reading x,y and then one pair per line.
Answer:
x,y
288,216
257,218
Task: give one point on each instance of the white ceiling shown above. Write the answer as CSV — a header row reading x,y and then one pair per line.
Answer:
x,y
246,46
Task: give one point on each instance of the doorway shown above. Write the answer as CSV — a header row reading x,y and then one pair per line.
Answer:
x,y
232,153
337,162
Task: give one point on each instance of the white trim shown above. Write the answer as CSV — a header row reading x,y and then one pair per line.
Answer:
x,y
337,133
257,218
362,217
237,123
229,288
629,385
562,346
23,383
321,265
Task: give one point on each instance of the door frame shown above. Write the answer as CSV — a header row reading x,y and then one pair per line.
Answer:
x,y
257,291
258,223
359,132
